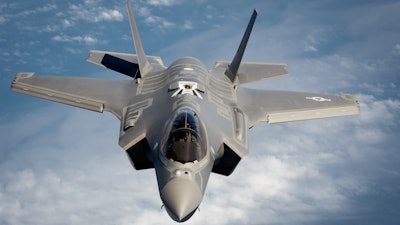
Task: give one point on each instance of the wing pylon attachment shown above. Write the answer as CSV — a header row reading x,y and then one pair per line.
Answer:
x,y
233,67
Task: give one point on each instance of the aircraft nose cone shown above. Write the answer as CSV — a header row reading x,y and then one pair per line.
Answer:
x,y
181,198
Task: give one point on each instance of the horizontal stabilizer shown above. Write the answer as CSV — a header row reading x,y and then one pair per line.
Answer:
x,y
121,66
122,62
254,71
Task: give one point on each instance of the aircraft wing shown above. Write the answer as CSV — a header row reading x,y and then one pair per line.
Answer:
x,y
88,93
286,106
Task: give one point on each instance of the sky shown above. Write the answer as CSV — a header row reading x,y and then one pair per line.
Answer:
x,y
63,165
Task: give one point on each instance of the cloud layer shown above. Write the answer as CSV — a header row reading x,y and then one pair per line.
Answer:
x,y
298,173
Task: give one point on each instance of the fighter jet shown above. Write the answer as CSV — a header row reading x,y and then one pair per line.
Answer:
x,y
184,120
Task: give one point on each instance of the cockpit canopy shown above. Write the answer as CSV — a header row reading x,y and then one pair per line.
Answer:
x,y
185,140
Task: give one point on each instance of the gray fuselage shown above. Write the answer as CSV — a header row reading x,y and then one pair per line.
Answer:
x,y
183,150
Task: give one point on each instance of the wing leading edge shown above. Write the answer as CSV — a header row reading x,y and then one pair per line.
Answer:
x,y
286,106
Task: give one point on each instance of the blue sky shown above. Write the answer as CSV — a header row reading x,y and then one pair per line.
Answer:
x,y
62,165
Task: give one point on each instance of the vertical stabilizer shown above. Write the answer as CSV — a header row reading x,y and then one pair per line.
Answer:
x,y
233,67
144,65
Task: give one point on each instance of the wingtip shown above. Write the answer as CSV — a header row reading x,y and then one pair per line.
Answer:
x,y
22,75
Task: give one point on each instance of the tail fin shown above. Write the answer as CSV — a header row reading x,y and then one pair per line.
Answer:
x,y
144,65
233,67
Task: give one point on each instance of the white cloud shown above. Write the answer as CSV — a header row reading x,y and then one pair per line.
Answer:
x,y
143,11
162,2
379,112
94,14
396,48
310,48
112,14
67,23
46,8
188,25
91,2
2,20
51,28
71,171
21,182
160,22
81,39
311,43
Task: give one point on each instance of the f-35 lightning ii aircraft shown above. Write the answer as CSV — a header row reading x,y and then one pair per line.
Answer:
x,y
185,121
